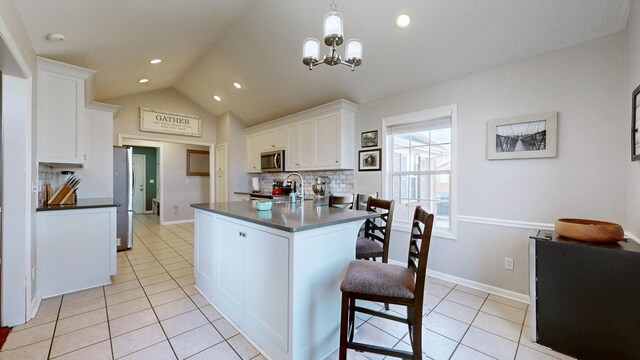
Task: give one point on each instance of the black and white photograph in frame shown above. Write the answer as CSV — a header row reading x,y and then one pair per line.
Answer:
x,y
635,125
370,160
531,136
369,139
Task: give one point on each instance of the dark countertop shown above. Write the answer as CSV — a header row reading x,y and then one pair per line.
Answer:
x,y
285,216
88,203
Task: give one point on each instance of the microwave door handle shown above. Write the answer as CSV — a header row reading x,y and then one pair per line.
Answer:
x,y
276,160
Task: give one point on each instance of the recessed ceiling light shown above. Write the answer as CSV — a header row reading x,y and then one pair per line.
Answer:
x,y
237,85
217,98
55,37
403,21
156,61
143,81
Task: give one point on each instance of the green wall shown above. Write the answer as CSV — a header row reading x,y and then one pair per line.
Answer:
x,y
151,162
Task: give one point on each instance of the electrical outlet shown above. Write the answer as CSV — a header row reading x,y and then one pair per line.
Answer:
x,y
508,263
175,208
151,181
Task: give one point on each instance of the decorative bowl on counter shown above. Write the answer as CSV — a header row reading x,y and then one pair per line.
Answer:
x,y
589,230
263,205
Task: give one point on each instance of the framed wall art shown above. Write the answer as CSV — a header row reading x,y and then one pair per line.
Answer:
x,y
370,160
635,125
531,136
369,139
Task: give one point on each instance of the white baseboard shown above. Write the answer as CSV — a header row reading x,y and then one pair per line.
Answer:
x,y
148,212
473,284
35,305
480,286
175,222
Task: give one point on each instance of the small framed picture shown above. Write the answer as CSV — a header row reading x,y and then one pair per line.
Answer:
x,y
531,136
370,160
369,139
635,125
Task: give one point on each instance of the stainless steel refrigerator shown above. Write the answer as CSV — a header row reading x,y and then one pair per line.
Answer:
x,y
123,195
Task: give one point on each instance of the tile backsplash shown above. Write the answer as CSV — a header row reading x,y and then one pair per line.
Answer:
x,y
341,181
48,176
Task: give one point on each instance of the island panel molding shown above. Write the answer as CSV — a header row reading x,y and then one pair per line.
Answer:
x,y
167,122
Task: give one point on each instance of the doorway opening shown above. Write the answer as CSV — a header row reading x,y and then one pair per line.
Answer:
x,y
175,189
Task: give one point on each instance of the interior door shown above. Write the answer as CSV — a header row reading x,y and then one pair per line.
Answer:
x,y
139,176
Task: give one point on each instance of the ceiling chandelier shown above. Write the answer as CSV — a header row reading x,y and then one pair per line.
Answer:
x,y
333,37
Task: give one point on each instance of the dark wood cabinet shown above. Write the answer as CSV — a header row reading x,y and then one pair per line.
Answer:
x,y
586,297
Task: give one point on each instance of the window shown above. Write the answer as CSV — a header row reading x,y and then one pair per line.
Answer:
x,y
419,166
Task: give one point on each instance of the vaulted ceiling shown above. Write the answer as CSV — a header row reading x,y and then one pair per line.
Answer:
x,y
206,45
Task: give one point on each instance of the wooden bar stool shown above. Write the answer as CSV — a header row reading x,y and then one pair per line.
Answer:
x,y
343,202
361,200
375,241
393,284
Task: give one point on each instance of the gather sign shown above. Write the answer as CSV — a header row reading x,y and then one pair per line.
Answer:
x,y
153,120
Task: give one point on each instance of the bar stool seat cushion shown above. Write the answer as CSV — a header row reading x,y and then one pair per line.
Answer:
x,y
367,246
374,278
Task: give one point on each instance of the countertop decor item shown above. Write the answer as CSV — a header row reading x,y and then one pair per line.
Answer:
x,y
263,205
589,230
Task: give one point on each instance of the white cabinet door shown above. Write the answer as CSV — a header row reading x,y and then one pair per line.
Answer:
x,y
221,187
229,251
76,249
61,112
275,138
204,248
299,151
254,147
326,144
267,284
221,157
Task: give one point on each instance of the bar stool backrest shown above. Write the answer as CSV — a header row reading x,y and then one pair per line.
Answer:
x,y
419,250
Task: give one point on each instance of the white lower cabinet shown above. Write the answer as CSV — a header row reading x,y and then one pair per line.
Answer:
x,y
75,249
246,273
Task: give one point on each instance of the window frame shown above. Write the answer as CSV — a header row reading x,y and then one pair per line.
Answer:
x,y
417,117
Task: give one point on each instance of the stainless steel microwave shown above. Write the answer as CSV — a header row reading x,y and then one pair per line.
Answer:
x,y
272,161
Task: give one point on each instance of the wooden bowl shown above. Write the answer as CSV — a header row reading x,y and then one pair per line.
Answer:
x,y
589,230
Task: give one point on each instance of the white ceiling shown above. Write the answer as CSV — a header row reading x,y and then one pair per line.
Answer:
x,y
207,44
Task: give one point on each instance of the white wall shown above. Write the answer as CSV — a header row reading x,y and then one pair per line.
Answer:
x,y
177,195
127,120
585,85
97,173
633,80
17,59
230,130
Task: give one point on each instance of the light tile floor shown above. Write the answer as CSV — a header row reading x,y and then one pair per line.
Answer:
x,y
152,311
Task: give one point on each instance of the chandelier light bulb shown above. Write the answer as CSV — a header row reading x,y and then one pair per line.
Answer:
x,y
237,85
217,98
403,21
156,61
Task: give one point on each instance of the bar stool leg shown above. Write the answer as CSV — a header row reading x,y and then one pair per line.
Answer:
x,y
352,318
343,327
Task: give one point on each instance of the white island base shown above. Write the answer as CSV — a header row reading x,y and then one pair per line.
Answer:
x,y
282,289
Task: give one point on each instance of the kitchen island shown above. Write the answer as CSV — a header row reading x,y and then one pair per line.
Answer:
x,y
276,274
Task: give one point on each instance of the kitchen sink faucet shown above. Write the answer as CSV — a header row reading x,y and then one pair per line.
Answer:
x,y
301,184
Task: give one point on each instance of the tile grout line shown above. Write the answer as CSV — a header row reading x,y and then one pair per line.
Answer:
x,y
55,326
188,296
196,305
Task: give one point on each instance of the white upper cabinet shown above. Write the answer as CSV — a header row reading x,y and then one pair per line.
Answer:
x,y
254,147
61,112
275,138
321,138
298,153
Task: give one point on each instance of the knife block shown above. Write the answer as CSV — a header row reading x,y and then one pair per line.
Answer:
x,y
64,196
